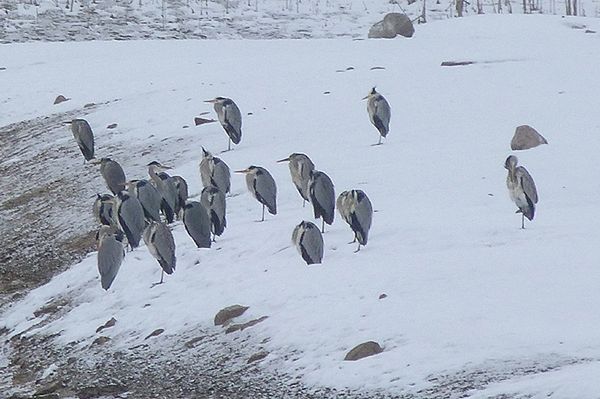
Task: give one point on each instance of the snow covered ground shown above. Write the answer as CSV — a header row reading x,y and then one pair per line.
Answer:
x,y
475,306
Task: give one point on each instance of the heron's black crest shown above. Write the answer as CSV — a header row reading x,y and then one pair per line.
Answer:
x,y
373,91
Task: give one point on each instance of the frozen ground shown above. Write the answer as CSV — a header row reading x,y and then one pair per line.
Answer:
x,y
475,306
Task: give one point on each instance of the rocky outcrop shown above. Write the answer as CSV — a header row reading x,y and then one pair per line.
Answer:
x,y
525,138
363,350
392,25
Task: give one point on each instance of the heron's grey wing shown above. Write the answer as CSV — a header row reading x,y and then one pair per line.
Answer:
x,y
110,257
266,190
84,137
362,218
197,224
131,219
311,244
527,183
221,177
381,119
233,121
165,247
150,199
324,196
114,176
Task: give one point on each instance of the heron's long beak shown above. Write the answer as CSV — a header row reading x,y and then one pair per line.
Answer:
x,y
284,160
365,97
242,171
214,100
67,122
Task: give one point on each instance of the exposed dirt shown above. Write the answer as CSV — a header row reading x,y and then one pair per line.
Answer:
x,y
38,237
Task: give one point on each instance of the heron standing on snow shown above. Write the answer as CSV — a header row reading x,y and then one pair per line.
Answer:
x,y
110,254
160,243
113,175
309,242
262,186
355,208
521,189
230,117
82,132
301,168
214,172
379,112
322,197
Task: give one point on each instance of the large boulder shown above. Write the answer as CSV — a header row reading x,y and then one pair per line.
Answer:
x,y
525,138
393,24
363,350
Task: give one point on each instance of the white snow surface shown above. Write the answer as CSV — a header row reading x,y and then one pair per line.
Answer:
x,y
467,289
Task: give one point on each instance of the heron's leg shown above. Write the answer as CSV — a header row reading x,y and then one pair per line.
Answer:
x,y
263,214
229,145
303,202
379,142
522,220
353,241
214,237
162,275
357,249
322,225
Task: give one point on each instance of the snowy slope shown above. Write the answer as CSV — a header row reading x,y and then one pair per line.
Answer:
x,y
473,303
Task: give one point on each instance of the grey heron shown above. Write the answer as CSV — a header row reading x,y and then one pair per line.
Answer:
x,y
213,201
230,118
160,243
215,172
322,197
309,242
149,198
182,195
110,254
166,186
262,186
197,223
379,112
355,208
113,175
301,168
521,189
82,132
130,216
104,209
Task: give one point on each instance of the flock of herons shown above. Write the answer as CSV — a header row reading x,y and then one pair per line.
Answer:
x,y
143,209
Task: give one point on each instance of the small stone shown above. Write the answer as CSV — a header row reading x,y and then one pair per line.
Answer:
x,y
60,99
48,389
112,126
192,342
376,68
383,296
228,313
258,356
525,138
363,350
326,92
202,121
243,326
2,68
155,333
89,105
108,324
100,340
